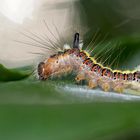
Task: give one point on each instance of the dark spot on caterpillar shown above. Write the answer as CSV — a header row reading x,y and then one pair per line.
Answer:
x,y
104,72
40,69
99,68
136,76
125,76
94,67
115,75
88,61
41,78
121,76
54,55
59,53
83,56
130,76
107,72
118,75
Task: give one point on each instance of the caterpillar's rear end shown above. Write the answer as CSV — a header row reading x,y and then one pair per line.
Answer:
x,y
77,60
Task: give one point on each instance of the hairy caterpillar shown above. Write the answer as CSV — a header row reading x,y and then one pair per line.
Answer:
x,y
77,60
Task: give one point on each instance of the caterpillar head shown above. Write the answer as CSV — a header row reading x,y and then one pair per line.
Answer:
x,y
49,68
58,63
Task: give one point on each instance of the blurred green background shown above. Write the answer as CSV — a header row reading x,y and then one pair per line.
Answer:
x,y
59,109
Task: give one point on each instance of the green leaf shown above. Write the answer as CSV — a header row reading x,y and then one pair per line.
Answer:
x,y
13,74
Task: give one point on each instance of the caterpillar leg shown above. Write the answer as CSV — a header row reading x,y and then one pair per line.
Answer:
x,y
92,83
135,86
104,84
119,87
106,87
80,77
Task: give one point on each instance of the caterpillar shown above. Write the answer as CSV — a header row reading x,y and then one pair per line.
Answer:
x,y
87,69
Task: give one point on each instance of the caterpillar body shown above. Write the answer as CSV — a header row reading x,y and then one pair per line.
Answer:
x,y
77,60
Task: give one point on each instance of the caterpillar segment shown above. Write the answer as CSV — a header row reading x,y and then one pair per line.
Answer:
x,y
87,69
106,78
